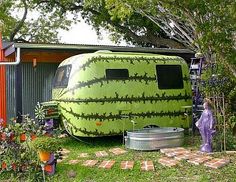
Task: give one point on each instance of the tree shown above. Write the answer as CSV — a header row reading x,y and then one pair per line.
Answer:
x,y
203,26
41,27
137,30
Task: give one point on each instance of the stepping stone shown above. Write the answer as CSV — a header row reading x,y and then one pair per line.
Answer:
x,y
147,166
117,151
74,161
186,156
65,151
90,163
127,164
177,152
199,160
59,160
168,150
101,154
62,158
63,136
107,164
217,163
165,161
83,155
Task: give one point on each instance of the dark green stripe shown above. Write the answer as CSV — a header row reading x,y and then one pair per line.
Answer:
x,y
111,116
127,99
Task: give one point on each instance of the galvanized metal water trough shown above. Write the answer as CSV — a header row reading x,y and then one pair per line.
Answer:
x,y
154,138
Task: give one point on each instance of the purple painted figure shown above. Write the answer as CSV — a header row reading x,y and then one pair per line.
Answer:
x,y
206,127
48,127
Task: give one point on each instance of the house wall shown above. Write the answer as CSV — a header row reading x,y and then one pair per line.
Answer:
x,y
36,86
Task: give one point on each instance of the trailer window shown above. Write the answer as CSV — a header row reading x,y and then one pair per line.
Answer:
x,y
117,74
62,76
169,76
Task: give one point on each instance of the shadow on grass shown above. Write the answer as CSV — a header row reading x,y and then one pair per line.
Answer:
x,y
95,142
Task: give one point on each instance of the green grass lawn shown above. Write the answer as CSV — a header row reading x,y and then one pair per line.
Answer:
x,y
183,172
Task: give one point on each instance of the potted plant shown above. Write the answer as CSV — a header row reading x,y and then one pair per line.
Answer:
x,y
45,146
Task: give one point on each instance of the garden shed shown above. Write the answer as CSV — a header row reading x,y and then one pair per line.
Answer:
x,y
30,81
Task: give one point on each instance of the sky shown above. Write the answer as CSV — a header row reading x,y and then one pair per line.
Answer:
x,y
82,33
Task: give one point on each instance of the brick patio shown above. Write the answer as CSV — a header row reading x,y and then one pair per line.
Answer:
x,y
186,156
217,163
127,164
147,166
165,161
168,150
101,154
177,152
200,159
107,164
65,151
90,163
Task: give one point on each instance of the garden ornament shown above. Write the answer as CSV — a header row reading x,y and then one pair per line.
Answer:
x,y
206,127
49,126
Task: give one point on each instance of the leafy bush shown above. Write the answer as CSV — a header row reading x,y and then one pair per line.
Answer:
x,y
45,143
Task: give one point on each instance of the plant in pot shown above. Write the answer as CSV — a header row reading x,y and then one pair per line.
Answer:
x,y
45,146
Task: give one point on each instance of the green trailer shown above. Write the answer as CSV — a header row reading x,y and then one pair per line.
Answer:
x,y
96,94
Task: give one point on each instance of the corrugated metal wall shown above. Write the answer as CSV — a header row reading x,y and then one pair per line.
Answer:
x,y
10,89
36,86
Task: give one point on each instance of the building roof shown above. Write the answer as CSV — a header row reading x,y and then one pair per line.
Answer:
x,y
58,52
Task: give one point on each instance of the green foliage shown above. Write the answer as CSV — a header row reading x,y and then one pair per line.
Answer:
x,y
45,143
40,26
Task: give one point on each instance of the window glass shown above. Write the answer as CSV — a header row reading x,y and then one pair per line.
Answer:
x,y
169,76
62,76
117,73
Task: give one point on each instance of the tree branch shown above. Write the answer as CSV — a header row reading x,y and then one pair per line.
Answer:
x,y
21,23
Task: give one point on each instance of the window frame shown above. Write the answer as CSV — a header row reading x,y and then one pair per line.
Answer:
x,y
159,79
116,78
64,83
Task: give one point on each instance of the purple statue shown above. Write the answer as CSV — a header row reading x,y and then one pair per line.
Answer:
x,y
206,126
48,127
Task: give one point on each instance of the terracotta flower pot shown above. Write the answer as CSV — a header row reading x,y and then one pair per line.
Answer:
x,y
4,165
33,136
22,137
44,156
48,168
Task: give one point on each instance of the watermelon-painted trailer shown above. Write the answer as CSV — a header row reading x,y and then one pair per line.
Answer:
x,y
93,91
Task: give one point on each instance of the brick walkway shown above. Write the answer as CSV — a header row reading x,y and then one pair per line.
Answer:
x,y
195,158
107,164
173,157
83,155
165,161
217,163
90,163
101,154
117,151
147,166
127,164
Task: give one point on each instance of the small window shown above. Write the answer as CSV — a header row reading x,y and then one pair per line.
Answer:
x,y
117,74
62,76
169,76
